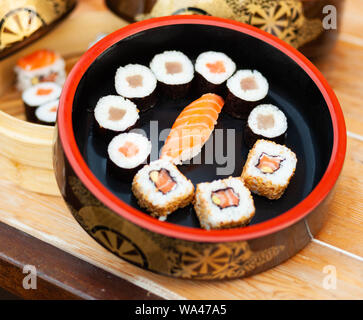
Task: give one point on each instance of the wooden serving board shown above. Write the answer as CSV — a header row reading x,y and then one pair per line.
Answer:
x,y
338,247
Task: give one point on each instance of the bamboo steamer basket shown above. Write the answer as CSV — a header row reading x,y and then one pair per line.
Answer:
x,y
26,148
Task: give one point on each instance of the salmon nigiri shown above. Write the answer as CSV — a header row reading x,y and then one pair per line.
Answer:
x,y
192,128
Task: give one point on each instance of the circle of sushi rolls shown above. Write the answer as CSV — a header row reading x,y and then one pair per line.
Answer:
x,y
114,115
46,114
246,90
161,188
40,66
265,121
127,154
137,83
38,95
174,71
223,203
268,169
212,69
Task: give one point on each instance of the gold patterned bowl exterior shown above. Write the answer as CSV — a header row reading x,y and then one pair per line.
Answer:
x,y
23,21
297,22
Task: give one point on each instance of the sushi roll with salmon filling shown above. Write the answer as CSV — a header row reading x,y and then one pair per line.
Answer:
x,y
246,90
268,169
127,154
161,188
212,69
223,204
174,71
114,115
266,121
40,66
38,95
46,114
137,83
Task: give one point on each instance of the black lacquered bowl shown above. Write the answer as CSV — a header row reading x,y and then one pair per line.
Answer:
x,y
105,206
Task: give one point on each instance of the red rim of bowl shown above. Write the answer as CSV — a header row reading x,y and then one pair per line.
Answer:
x,y
143,220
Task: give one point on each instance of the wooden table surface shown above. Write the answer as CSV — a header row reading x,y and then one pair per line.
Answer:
x,y
80,268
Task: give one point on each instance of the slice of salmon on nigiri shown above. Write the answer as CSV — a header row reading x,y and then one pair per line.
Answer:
x,y
192,128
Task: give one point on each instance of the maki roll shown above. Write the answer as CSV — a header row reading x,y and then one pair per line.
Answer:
x,y
114,114
40,66
161,188
223,204
174,71
212,69
266,121
38,95
246,90
137,83
46,114
268,169
127,153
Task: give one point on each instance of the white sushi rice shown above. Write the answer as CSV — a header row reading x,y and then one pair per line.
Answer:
x,y
123,87
103,107
117,157
287,166
208,57
279,120
44,112
31,98
158,67
26,78
234,85
217,216
183,185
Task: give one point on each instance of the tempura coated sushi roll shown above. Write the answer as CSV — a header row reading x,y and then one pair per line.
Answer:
x,y
212,69
268,169
46,114
174,71
223,203
127,154
114,115
38,95
137,83
40,66
266,121
246,90
161,188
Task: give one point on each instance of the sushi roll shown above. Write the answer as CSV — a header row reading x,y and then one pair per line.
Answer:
x,y
266,121
174,71
223,204
137,83
38,95
127,154
161,188
114,115
212,69
246,89
268,169
40,66
46,114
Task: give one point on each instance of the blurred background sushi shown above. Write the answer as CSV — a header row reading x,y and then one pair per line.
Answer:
x,y
38,95
40,66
